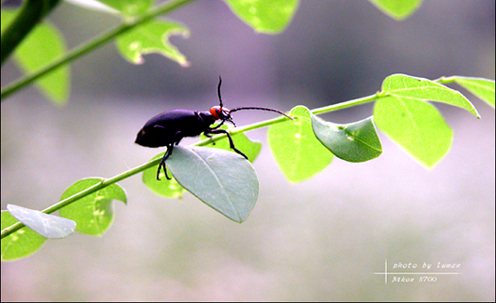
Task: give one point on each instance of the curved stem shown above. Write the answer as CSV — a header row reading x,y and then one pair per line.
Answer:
x,y
91,45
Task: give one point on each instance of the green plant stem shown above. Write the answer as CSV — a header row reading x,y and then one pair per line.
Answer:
x,y
92,44
317,111
350,103
30,14
106,182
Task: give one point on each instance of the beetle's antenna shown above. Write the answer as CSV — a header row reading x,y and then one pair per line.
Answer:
x,y
218,91
245,108
260,108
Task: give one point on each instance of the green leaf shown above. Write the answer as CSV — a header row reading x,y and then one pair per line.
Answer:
x,y
129,7
355,142
162,187
43,45
21,243
482,88
250,148
414,88
270,17
223,180
94,213
398,9
298,153
48,226
416,126
152,37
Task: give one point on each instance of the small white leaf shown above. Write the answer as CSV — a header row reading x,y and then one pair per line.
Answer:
x,y
49,226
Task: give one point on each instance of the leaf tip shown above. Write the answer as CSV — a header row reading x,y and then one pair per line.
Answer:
x,y
184,63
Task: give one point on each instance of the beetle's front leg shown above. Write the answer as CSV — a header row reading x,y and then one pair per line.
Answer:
x,y
231,142
208,135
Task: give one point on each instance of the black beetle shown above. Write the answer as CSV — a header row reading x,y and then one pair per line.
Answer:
x,y
168,128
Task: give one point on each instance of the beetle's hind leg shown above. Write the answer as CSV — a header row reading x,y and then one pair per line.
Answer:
x,y
162,163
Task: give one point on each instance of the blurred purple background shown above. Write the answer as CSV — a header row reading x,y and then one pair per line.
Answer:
x,y
319,240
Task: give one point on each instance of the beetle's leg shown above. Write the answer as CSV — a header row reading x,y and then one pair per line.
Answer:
x,y
210,129
178,136
166,155
231,143
222,123
179,140
209,136
217,126
162,163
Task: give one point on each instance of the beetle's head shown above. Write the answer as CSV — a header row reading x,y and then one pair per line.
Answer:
x,y
221,113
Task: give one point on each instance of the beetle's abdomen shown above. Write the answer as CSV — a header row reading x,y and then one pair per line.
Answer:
x,y
170,127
